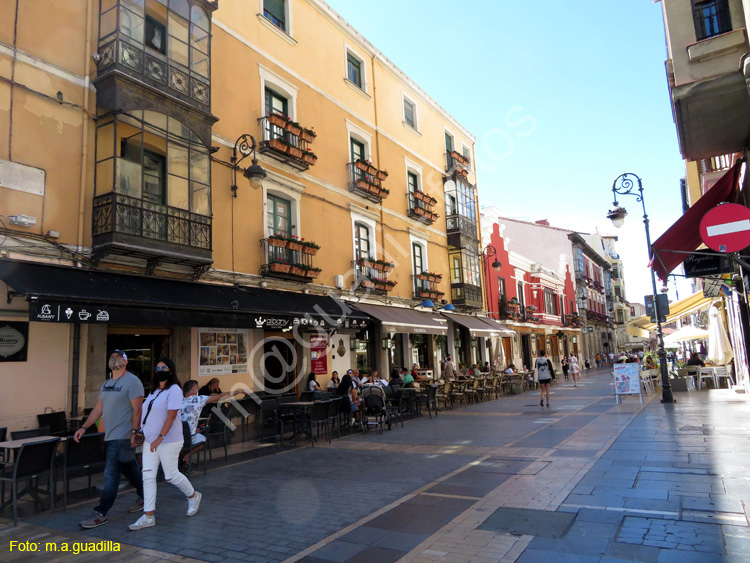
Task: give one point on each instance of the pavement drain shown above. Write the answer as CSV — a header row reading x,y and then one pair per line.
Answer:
x,y
524,521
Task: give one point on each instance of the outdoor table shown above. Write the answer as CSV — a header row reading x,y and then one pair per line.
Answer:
x,y
298,407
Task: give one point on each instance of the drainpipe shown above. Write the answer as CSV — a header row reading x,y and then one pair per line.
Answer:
x,y
377,151
74,383
85,128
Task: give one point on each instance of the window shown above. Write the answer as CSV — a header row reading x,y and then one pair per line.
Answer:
x,y
354,70
550,302
416,251
618,292
465,267
276,103
410,114
501,287
466,152
156,27
279,214
361,241
456,269
275,12
450,205
358,150
711,18
619,316
153,177
519,292
448,142
412,185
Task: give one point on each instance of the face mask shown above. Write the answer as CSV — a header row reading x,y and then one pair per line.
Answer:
x,y
162,375
116,362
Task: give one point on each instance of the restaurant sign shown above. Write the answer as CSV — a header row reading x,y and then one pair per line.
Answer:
x,y
627,380
702,265
14,341
223,351
319,354
68,313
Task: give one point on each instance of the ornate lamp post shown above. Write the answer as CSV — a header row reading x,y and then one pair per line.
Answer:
x,y
244,147
625,184
491,252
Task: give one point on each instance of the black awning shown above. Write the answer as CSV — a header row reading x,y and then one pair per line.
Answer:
x,y
62,294
402,320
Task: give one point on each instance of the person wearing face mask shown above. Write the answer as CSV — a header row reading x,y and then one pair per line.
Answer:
x,y
119,405
163,439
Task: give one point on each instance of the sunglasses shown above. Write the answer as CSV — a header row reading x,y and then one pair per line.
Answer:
x,y
163,368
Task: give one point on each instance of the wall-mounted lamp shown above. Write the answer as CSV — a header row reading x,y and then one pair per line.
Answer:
x,y
491,252
255,173
353,344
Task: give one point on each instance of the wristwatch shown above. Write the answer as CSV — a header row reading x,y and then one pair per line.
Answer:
x,y
133,431
161,435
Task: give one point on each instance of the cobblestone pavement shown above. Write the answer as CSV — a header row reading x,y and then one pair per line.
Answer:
x,y
504,480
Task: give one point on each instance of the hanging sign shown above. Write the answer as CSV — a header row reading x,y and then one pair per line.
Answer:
x,y
703,265
14,341
319,354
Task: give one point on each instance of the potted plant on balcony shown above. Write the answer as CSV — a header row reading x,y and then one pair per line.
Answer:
x,y
362,164
293,127
367,284
383,265
363,184
297,270
309,247
293,243
382,174
421,196
389,285
383,192
281,266
367,262
380,284
277,120
279,144
419,211
312,272
294,152
430,215
278,240
308,134
309,157
531,308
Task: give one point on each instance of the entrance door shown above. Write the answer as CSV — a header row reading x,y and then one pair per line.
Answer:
x,y
279,364
526,350
419,349
143,351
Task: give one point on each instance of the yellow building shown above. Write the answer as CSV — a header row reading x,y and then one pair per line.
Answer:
x,y
127,131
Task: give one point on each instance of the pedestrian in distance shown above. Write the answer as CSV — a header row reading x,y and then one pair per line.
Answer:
x,y
119,406
575,369
565,366
163,440
544,373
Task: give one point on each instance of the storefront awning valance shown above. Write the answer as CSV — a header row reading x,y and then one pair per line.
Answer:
x,y
683,237
402,320
479,326
696,302
62,294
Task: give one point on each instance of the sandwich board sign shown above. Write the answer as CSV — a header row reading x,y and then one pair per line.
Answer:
x,y
627,381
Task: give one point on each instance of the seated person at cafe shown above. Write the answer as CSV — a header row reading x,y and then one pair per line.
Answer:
x,y
650,363
333,382
407,378
396,378
695,360
192,404
417,376
486,367
356,381
474,370
314,387
511,369
210,388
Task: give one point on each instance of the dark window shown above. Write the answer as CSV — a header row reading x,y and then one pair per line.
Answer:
x,y
276,103
467,153
362,241
519,290
354,69
416,250
279,214
412,185
409,114
275,12
500,286
550,302
448,142
156,35
358,150
711,18
153,177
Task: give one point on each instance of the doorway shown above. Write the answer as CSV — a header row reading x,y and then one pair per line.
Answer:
x,y
279,364
143,351
526,350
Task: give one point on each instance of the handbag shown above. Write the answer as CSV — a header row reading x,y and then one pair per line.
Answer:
x,y
138,437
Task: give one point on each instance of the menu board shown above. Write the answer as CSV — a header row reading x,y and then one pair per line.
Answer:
x,y
627,379
222,351
319,354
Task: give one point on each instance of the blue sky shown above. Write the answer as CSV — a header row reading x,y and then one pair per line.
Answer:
x,y
562,98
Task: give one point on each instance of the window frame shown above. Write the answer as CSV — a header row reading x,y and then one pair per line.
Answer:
x,y
363,86
275,201
285,23
406,100
721,18
354,70
550,302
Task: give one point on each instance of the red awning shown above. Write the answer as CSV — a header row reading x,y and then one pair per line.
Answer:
x,y
672,248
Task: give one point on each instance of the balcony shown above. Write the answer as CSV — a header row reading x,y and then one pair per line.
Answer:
x,y
289,259
461,231
287,141
139,228
421,207
371,275
466,295
457,161
426,286
367,181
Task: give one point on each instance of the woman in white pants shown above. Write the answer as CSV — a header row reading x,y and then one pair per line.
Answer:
x,y
575,369
162,431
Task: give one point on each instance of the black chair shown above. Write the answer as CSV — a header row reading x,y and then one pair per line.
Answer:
x,y
394,403
243,410
55,421
33,433
217,429
327,396
33,460
270,416
87,456
429,400
306,396
3,437
334,409
318,415
187,447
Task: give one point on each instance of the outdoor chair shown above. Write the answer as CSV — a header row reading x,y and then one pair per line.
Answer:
x,y
32,461
55,421
217,430
428,399
394,404
242,409
187,446
270,416
86,456
724,372
457,392
317,414
334,410
33,433
472,390
306,396
444,395
3,437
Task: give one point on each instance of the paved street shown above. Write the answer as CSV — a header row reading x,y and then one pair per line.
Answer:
x,y
506,480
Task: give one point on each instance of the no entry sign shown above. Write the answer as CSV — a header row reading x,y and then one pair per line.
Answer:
x,y
726,227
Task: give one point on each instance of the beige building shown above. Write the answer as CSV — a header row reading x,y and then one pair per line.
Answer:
x,y
127,131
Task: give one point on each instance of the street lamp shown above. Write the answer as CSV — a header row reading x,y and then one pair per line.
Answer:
x,y
624,184
255,173
490,252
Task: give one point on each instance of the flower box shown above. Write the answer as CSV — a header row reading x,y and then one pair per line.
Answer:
x,y
277,120
361,165
389,286
463,173
297,271
366,263
311,250
382,174
374,190
278,267
312,274
430,215
278,144
273,241
381,285
371,170
421,196
382,267
427,294
367,284
294,152
293,129
308,159
363,185
294,245
307,136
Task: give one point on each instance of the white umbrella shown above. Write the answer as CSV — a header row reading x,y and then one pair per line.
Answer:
x,y
719,349
687,332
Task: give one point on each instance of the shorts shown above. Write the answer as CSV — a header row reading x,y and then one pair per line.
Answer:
x,y
545,381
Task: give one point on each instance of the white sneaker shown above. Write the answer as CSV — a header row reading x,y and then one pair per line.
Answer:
x,y
193,504
144,521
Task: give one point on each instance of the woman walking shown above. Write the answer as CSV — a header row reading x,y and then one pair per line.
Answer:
x,y
162,432
565,366
575,369
544,375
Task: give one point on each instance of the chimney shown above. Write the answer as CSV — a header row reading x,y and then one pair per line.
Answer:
x,y
542,222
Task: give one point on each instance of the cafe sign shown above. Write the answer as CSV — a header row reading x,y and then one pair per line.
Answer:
x,y
14,341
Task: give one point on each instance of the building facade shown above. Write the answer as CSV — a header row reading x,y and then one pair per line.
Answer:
x,y
141,226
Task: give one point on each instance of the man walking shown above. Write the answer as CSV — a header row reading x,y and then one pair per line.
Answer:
x,y
119,405
448,373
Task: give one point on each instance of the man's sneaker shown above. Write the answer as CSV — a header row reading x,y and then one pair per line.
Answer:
x,y
144,521
193,504
95,521
137,507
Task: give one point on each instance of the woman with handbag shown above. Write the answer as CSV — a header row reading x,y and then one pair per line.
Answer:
x,y
162,432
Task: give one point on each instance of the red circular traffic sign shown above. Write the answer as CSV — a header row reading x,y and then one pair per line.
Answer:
x,y
726,227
